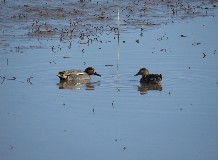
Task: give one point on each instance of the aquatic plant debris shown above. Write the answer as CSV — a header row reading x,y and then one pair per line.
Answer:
x,y
83,21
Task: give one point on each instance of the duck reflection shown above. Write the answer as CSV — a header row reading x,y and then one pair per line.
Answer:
x,y
77,85
144,88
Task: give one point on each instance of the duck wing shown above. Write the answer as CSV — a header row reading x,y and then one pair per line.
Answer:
x,y
154,78
63,75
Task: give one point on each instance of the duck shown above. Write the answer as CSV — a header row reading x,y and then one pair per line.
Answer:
x,y
148,78
77,75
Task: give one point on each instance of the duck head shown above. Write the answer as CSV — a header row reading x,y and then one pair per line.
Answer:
x,y
91,71
143,71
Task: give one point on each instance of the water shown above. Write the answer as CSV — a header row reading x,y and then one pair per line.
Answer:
x,y
114,117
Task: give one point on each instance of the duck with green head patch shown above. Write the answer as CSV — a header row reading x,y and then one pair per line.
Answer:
x,y
76,75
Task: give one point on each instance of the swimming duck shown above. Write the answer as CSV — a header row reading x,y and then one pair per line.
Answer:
x,y
77,74
149,78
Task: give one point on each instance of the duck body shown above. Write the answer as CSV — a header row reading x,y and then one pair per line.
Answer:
x,y
151,78
148,78
77,75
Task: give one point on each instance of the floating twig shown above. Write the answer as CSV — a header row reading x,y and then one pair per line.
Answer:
x,y
183,35
52,48
52,62
196,43
13,78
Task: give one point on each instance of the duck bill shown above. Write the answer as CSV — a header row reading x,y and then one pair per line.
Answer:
x,y
97,74
136,74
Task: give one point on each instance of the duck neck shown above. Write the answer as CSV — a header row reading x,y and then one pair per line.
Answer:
x,y
144,76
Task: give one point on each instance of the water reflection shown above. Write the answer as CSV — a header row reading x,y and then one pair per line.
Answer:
x,y
144,88
77,85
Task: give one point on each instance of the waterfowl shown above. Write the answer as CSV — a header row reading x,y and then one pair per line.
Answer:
x,y
149,78
77,74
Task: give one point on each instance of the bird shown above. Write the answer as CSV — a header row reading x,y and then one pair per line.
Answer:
x,y
76,75
148,78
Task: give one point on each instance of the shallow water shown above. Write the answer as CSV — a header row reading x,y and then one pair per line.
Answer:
x,y
113,117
